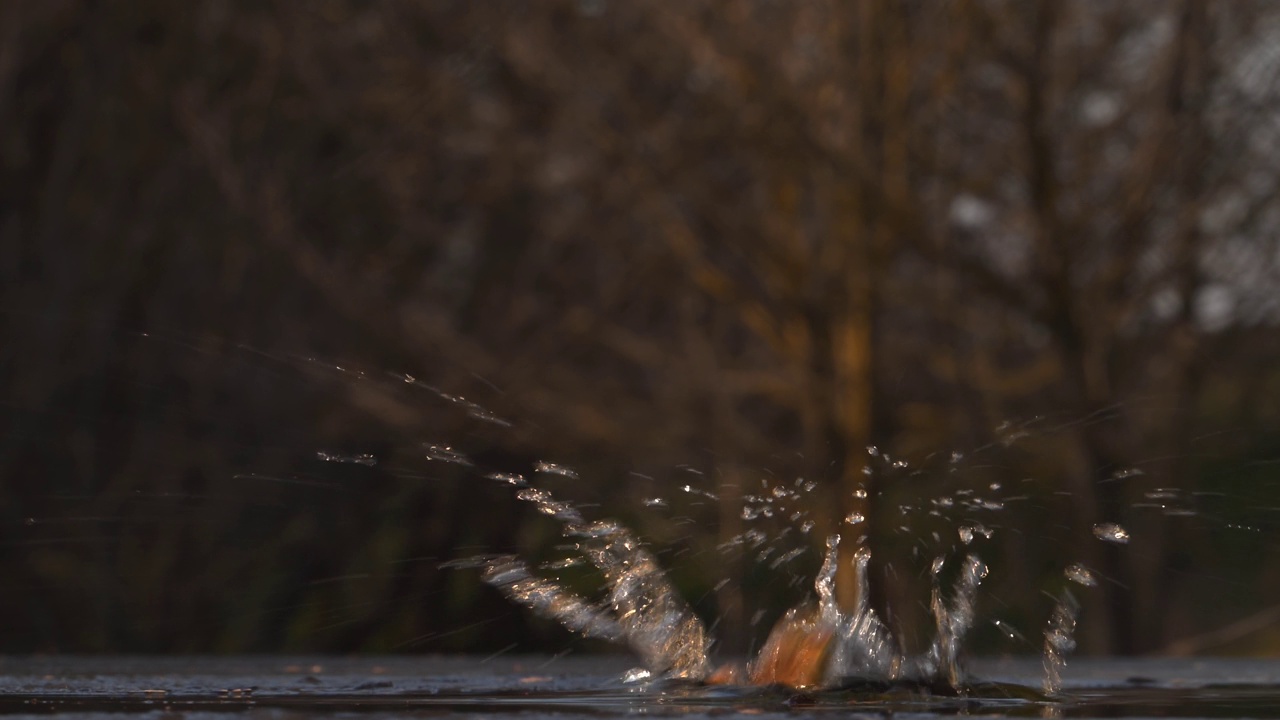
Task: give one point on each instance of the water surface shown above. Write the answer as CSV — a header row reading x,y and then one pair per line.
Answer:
x,y
540,686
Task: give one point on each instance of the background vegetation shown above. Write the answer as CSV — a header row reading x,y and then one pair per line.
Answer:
x,y
1030,244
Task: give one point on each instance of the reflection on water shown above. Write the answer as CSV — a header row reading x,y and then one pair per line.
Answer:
x,y
543,686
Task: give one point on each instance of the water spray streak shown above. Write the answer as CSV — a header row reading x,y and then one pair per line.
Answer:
x,y
510,575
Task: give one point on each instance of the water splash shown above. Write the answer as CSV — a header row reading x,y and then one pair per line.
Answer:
x,y
866,647
813,645
817,643
510,575
954,619
1059,640
644,609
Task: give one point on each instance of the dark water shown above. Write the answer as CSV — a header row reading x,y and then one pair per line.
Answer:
x,y
592,686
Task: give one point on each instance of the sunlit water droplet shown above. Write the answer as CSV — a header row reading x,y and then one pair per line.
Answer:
x,y
444,453
695,491
361,459
968,533
636,675
1111,532
562,564
509,479
1008,630
1078,573
554,469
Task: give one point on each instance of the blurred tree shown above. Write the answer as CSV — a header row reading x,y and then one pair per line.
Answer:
x,y
742,238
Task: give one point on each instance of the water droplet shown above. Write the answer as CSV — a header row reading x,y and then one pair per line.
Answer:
x,y
695,491
1008,630
363,459
806,526
509,479
1126,473
968,533
548,505
635,675
1111,532
1078,573
787,557
562,564
554,469
854,518
654,502
444,453
956,457
860,493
